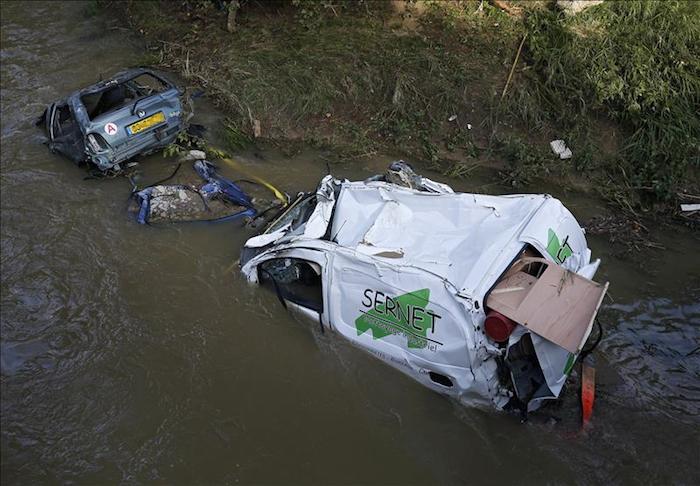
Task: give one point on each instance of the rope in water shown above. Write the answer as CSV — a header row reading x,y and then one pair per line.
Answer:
x,y
239,167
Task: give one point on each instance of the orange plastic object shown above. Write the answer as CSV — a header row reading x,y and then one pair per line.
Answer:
x,y
587,392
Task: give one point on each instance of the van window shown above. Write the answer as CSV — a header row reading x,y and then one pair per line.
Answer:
x,y
295,280
297,215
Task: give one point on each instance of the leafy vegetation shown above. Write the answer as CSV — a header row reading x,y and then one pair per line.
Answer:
x,y
427,79
359,77
525,161
638,63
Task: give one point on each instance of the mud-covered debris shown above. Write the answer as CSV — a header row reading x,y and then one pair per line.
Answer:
x,y
624,231
193,155
402,174
217,198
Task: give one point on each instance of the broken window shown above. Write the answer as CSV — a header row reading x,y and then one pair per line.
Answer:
x,y
105,101
533,269
297,215
119,95
555,303
295,280
147,85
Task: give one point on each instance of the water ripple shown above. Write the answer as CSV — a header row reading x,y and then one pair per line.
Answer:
x,y
655,347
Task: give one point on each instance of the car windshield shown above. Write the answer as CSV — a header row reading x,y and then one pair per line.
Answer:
x,y
296,215
119,95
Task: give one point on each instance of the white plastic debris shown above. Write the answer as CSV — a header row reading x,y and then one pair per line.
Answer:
x,y
257,130
194,155
469,126
452,118
559,147
690,207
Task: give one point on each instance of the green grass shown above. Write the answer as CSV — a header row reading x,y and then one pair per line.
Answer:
x,y
353,78
635,62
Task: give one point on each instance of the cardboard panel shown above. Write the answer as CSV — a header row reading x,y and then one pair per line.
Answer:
x,y
560,305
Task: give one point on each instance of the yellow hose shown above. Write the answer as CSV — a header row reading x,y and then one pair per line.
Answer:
x,y
278,194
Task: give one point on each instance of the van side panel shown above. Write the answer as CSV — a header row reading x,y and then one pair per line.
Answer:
x,y
407,318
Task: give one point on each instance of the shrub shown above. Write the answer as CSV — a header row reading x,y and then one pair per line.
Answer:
x,y
639,63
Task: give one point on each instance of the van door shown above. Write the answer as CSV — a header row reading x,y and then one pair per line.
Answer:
x,y
297,277
404,316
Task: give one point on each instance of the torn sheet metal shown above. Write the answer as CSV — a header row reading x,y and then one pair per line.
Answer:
x,y
318,222
401,174
217,199
406,274
219,187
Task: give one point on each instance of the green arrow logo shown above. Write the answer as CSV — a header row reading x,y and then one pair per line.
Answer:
x,y
559,251
405,315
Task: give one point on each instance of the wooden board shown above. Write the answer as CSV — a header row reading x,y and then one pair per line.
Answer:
x,y
560,305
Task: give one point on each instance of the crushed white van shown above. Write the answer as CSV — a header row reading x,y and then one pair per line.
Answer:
x,y
484,298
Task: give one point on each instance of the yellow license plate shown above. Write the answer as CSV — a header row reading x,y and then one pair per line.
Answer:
x,y
146,123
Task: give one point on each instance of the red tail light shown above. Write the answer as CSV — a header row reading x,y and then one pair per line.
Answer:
x,y
498,327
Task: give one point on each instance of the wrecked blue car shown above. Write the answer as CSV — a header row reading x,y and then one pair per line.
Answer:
x,y
135,112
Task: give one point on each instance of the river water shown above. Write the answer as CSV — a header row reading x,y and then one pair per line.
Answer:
x,y
130,353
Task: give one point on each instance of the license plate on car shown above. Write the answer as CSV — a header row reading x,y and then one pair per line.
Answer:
x,y
146,123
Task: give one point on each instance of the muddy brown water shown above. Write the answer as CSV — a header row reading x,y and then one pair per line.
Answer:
x,y
130,354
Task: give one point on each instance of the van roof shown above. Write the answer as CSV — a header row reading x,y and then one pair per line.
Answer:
x,y
459,237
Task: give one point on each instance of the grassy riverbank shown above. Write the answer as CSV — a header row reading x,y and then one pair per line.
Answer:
x,y
618,82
